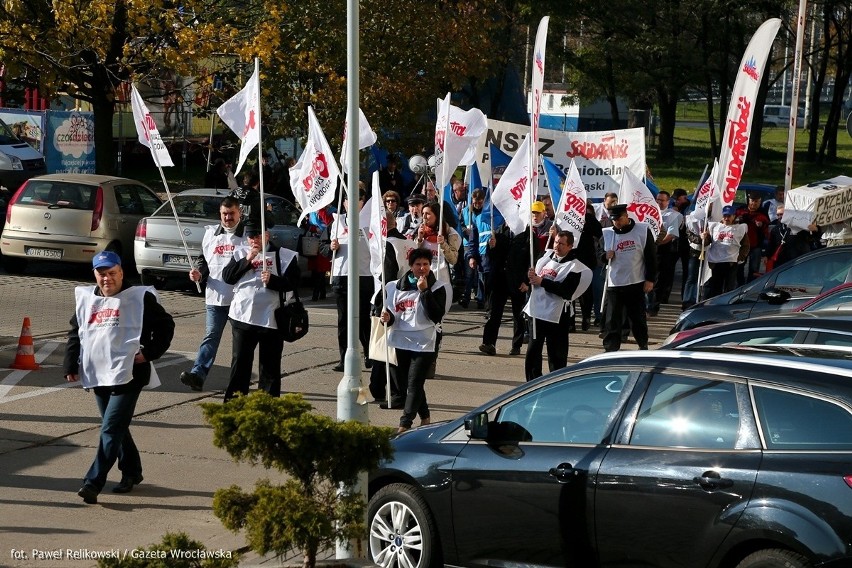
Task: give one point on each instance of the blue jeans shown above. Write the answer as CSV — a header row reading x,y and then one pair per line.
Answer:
x,y
217,317
690,287
472,283
116,405
598,280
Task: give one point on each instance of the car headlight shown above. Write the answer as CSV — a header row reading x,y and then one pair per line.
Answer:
x,y
16,163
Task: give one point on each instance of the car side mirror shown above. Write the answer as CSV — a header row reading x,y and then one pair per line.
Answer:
x,y
775,296
477,426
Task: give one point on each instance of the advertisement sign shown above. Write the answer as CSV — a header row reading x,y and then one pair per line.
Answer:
x,y
70,142
28,125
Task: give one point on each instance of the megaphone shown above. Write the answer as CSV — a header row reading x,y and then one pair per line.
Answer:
x,y
417,164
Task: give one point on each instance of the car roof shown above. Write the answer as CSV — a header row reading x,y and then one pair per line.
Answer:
x,y
91,179
827,293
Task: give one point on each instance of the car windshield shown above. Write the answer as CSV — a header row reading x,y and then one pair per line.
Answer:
x,y
58,194
6,134
193,206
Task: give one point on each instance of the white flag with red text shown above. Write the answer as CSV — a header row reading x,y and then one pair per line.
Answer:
x,y
707,193
512,194
375,225
641,205
366,137
457,134
146,128
314,177
741,113
537,87
571,210
242,115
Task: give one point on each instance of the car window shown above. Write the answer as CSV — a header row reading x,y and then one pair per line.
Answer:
x,y
575,410
149,200
758,336
195,206
135,200
687,412
840,297
283,212
833,338
59,194
814,276
796,421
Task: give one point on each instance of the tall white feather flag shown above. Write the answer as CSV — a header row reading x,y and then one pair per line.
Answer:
x,y
242,113
366,137
146,128
511,196
314,177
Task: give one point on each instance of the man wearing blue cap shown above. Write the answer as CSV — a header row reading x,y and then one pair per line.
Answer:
x,y
729,246
116,331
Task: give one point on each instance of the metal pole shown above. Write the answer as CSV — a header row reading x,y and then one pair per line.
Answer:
x,y
794,98
349,387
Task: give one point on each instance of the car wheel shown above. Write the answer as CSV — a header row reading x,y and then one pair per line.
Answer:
x,y
774,558
14,265
402,531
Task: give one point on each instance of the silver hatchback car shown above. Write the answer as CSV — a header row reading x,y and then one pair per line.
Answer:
x,y
70,217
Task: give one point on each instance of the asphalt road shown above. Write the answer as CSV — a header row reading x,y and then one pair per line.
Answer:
x,y
49,431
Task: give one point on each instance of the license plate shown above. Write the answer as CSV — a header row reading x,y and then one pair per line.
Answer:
x,y
43,253
176,260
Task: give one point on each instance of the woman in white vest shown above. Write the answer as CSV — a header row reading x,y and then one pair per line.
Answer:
x,y
414,307
729,246
446,239
259,279
116,331
557,279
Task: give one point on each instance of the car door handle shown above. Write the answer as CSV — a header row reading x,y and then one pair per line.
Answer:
x,y
712,480
564,472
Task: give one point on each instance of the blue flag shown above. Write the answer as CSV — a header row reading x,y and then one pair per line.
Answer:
x,y
555,178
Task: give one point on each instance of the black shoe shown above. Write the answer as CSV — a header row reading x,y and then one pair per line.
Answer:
x,y
192,380
587,323
368,363
572,328
464,304
126,484
480,306
392,406
488,349
89,494
515,351
338,368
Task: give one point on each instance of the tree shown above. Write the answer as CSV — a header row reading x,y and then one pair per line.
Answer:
x,y
308,512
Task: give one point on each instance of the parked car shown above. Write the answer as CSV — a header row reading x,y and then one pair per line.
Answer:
x,y
838,298
18,160
783,289
813,327
663,458
779,116
70,217
158,247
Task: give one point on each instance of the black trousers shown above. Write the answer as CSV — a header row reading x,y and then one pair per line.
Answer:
x,y
623,300
723,278
413,370
556,337
500,294
246,338
365,292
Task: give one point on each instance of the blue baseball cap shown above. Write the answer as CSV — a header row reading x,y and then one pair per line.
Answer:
x,y
729,210
106,259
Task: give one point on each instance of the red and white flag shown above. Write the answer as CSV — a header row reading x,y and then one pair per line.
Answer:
x,y
314,177
146,128
536,90
641,205
571,210
372,219
457,134
512,194
707,193
366,137
741,113
242,115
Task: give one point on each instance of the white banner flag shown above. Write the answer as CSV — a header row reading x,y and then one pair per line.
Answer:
x,y
741,113
314,177
571,210
641,205
536,91
242,115
457,133
512,194
366,137
373,221
146,128
707,193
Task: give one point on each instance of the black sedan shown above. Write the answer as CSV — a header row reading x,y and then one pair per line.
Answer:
x,y
799,328
780,290
663,458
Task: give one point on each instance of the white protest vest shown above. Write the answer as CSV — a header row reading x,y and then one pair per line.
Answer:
x,y
442,270
110,329
340,267
546,305
726,242
254,303
218,251
412,329
628,265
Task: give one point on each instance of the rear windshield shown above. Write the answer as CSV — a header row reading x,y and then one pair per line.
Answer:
x,y
59,194
195,206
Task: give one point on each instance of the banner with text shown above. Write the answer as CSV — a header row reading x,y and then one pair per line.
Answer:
x,y
69,142
821,202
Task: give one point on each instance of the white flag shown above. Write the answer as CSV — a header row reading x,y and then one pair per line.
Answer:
x,y
571,211
741,112
242,115
641,205
457,134
537,87
707,193
146,128
373,221
366,137
314,177
511,196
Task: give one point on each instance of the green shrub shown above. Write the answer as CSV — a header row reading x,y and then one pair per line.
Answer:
x,y
175,551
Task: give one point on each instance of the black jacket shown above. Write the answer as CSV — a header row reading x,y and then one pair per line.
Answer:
x,y
286,282
433,301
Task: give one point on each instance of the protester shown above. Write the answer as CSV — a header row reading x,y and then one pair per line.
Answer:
x,y
413,310
392,202
784,245
555,279
770,206
586,251
411,221
729,246
447,239
692,229
259,279
318,264
390,178
758,233
217,249
540,224
476,230
681,204
599,272
667,254
549,212
631,252
248,197
116,331
219,176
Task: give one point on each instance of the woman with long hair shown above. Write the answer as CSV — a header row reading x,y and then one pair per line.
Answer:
x,y
429,236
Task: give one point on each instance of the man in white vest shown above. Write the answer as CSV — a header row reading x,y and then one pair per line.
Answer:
x,y
557,279
217,249
259,279
729,247
631,252
116,331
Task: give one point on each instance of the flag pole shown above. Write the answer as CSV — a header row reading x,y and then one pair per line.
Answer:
x,y
794,97
260,169
210,140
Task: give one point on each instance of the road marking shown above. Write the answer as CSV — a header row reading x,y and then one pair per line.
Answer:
x,y
16,376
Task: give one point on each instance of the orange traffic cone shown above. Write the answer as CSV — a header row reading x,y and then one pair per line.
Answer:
x,y
25,358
